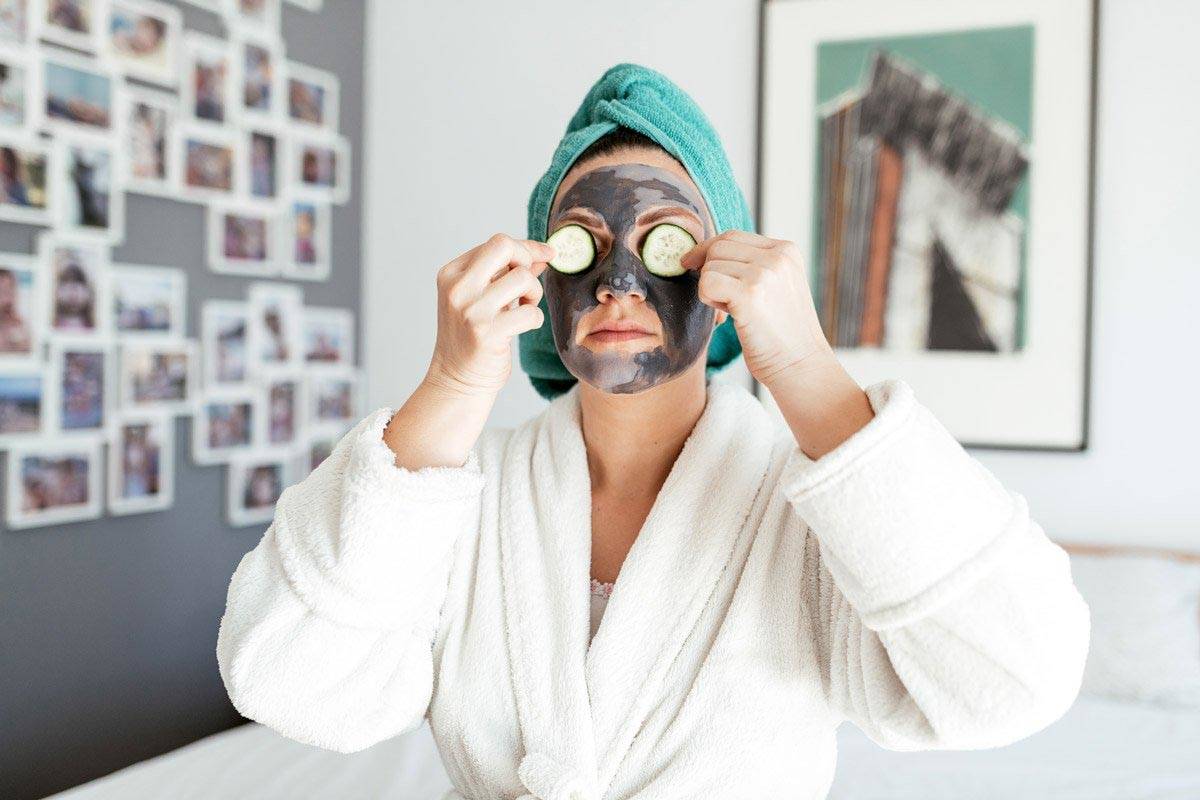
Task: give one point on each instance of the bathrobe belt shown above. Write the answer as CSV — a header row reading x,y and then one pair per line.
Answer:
x,y
546,779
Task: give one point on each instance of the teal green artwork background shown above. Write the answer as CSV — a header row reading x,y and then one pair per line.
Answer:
x,y
991,67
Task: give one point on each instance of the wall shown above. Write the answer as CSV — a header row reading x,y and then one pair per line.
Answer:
x,y
455,151
108,628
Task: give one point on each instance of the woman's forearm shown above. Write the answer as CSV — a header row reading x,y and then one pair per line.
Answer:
x,y
822,404
437,426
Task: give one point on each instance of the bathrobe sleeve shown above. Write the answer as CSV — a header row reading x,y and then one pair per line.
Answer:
x,y
944,617
330,620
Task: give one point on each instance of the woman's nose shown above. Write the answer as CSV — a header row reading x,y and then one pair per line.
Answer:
x,y
621,275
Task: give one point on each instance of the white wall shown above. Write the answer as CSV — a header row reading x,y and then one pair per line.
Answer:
x,y
466,101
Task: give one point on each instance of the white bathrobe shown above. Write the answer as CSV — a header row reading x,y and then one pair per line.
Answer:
x,y
894,583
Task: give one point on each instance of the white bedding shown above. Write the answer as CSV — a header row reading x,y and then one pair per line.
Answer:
x,y
1101,750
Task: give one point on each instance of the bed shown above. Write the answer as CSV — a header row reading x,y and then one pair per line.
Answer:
x,y
1133,734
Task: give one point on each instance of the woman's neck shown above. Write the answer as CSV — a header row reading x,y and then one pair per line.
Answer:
x,y
637,437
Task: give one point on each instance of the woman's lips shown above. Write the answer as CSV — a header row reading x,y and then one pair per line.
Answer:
x,y
618,330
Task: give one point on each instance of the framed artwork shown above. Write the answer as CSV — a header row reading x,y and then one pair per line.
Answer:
x,y
305,239
52,482
209,155
258,75
26,398
72,23
899,150
274,335
142,39
319,167
149,302
225,425
206,93
158,376
312,97
328,336
253,486
20,89
77,297
149,154
26,194
241,240
224,331
91,200
15,21
78,93
82,374
141,463
21,311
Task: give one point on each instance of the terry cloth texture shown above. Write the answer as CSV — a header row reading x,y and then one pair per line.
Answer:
x,y
636,97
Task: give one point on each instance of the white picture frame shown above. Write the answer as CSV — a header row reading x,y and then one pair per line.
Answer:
x,y
85,265
27,458
69,82
308,173
306,236
208,157
29,90
78,204
313,97
86,38
266,101
263,146
25,392
224,335
149,139
329,336
266,21
16,20
328,407
120,46
159,375
22,311
66,355
35,159
273,344
319,447
275,471
238,412
242,240
207,60
148,302
280,389
158,431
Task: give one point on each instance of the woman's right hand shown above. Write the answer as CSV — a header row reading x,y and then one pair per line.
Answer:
x,y
486,296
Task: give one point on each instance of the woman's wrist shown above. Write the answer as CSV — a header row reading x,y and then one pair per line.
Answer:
x,y
822,404
438,425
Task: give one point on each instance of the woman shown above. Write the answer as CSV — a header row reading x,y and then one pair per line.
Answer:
x,y
768,584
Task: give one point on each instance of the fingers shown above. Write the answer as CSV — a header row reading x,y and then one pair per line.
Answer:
x,y
518,320
746,243
718,289
499,253
517,284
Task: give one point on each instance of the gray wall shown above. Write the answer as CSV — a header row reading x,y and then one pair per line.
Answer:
x,y
108,628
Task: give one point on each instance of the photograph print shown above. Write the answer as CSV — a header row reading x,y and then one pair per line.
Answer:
x,y
141,463
253,485
20,310
332,399
91,201
275,333
25,169
319,167
149,301
312,96
209,162
73,23
158,375
305,240
283,418
224,328
143,39
25,397
899,146
261,152
241,240
15,21
149,119
207,91
260,16
52,482
82,386
328,336
225,424
79,94
20,89
258,76
77,285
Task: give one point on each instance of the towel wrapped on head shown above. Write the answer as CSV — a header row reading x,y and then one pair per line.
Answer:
x,y
638,98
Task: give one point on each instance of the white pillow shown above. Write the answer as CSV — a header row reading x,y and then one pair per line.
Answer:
x,y
1145,613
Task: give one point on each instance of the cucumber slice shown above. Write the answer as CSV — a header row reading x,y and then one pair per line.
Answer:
x,y
664,247
574,249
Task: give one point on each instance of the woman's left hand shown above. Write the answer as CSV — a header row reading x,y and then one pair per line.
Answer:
x,y
761,283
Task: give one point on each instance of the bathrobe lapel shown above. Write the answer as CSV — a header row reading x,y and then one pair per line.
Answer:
x,y
582,706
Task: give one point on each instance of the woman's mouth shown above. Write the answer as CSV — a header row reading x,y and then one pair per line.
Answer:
x,y
619,330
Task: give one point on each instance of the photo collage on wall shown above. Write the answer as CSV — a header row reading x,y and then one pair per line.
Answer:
x,y
99,98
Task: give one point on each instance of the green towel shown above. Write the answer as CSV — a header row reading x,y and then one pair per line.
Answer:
x,y
633,96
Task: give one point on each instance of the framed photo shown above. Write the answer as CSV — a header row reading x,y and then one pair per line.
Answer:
x,y
149,302
141,463
209,155
49,483
91,201
143,40
332,399
305,240
312,97
899,148
261,152
319,167
207,90
82,373
21,311
258,15
241,240
258,75
159,376
78,289
20,89
149,121
308,5
25,191
284,413
79,94
15,19
224,330
320,447
274,334
328,336
225,424
254,484
25,405
73,23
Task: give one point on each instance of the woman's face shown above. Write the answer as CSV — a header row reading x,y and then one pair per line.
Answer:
x,y
617,326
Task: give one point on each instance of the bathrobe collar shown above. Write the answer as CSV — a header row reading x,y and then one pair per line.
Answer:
x,y
579,707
